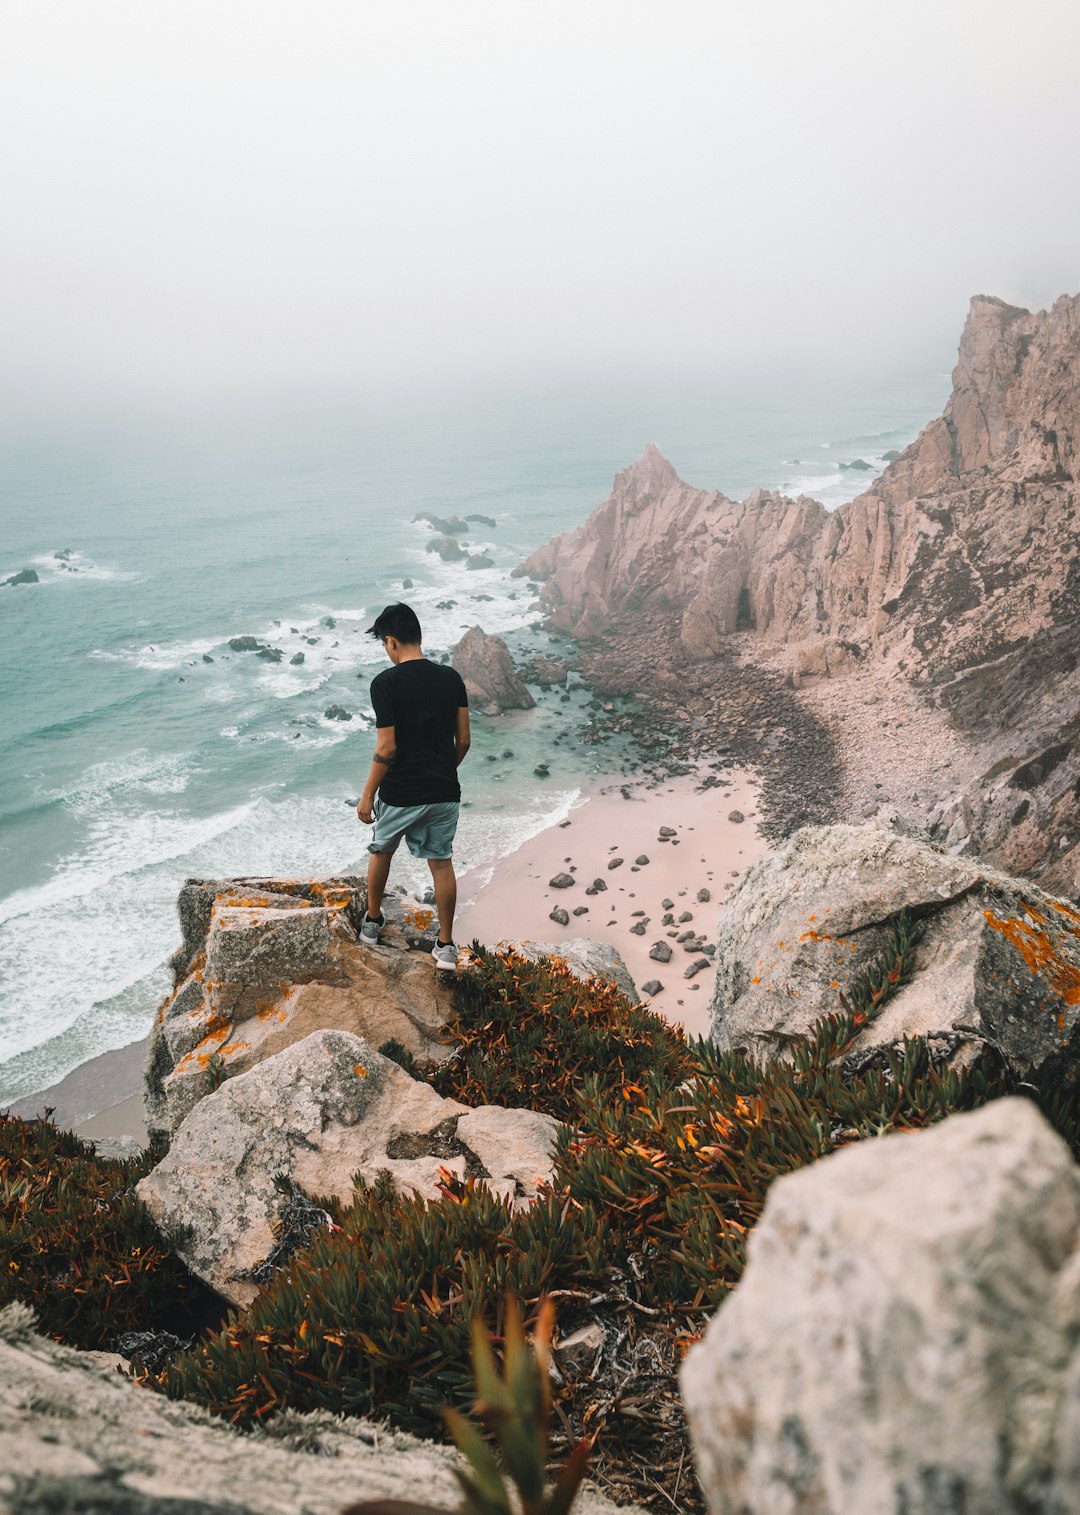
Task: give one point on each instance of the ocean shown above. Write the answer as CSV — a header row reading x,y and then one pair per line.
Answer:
x,y
137,749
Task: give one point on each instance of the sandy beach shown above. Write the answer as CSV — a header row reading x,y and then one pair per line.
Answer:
x,y
658,876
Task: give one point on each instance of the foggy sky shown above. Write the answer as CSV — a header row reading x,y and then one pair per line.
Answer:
x,y
250,193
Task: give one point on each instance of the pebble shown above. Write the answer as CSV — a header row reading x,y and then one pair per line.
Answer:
x,y
560,916
616,862
582,910
633,912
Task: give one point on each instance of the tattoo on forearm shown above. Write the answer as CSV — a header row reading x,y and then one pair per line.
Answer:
x,y
383,761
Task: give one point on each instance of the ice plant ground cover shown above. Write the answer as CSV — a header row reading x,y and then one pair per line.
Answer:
x,y
663,1166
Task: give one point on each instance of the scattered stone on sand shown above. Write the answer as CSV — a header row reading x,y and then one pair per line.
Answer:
x,y
703,896
667,831
668,904
599,886
581,910
668,919
615,862
638,930
684,917
652,986
561,881
660,952
560,916
696,967
641,861
736,816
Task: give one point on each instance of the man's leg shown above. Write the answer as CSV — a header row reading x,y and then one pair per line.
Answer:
x,y
445,881
378,871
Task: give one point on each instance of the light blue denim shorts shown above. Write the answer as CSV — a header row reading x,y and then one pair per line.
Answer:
x,y
429,830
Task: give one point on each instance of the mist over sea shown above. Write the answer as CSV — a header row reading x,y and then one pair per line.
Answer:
x,y
136,749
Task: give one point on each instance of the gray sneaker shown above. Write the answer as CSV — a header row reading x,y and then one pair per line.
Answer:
x,y
445,957
370,930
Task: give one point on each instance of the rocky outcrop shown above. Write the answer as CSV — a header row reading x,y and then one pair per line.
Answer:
x,y
959,567
265,962
24,576
246,1167
998,966
76,1435
485,664
906,1336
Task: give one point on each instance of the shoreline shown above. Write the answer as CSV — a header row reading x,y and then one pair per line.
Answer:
x,y
101,1099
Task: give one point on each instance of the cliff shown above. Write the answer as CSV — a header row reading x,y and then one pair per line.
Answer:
x,y
959,568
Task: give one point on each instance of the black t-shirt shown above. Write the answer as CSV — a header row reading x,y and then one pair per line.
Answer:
x,y
420,699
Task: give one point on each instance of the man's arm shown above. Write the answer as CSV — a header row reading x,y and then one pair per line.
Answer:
x,y
462,737
385,748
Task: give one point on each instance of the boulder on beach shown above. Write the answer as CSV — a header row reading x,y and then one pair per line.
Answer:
x,y
906,1336
485,664
265,962
586,959
301,1125
996,971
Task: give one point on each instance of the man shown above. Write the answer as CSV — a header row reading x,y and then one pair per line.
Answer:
x,y
422,736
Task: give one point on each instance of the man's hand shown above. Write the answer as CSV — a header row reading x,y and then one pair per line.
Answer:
x,y
365,809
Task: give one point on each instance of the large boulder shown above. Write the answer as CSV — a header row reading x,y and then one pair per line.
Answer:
x,y
76,1436
998,964
265,962
586,959
485,664
303,1124
906,1337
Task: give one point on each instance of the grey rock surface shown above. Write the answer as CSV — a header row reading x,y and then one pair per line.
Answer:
x,y
77,1436
998,964
316,1114
906,1337
485,664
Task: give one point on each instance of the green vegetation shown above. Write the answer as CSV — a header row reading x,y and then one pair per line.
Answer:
x,y
77,1245
515,1409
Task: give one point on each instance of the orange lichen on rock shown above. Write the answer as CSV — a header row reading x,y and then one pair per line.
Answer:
x,y
1033,942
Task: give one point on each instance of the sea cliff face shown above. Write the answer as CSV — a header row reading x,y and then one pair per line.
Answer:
x,y
958,571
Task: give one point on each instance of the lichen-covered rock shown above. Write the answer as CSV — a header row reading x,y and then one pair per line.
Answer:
x,y
586,959
307,1121
487,668
998,964
906,1336
76,1436
265,962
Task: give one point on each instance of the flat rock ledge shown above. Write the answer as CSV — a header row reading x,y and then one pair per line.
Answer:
x,y
906,1336
269,1143
76,1435
264,962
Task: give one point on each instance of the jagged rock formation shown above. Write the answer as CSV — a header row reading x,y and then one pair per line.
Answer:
x,y
485,664
265,962
586,959
247,1165
905,1337
959,567
76,1435
998,966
